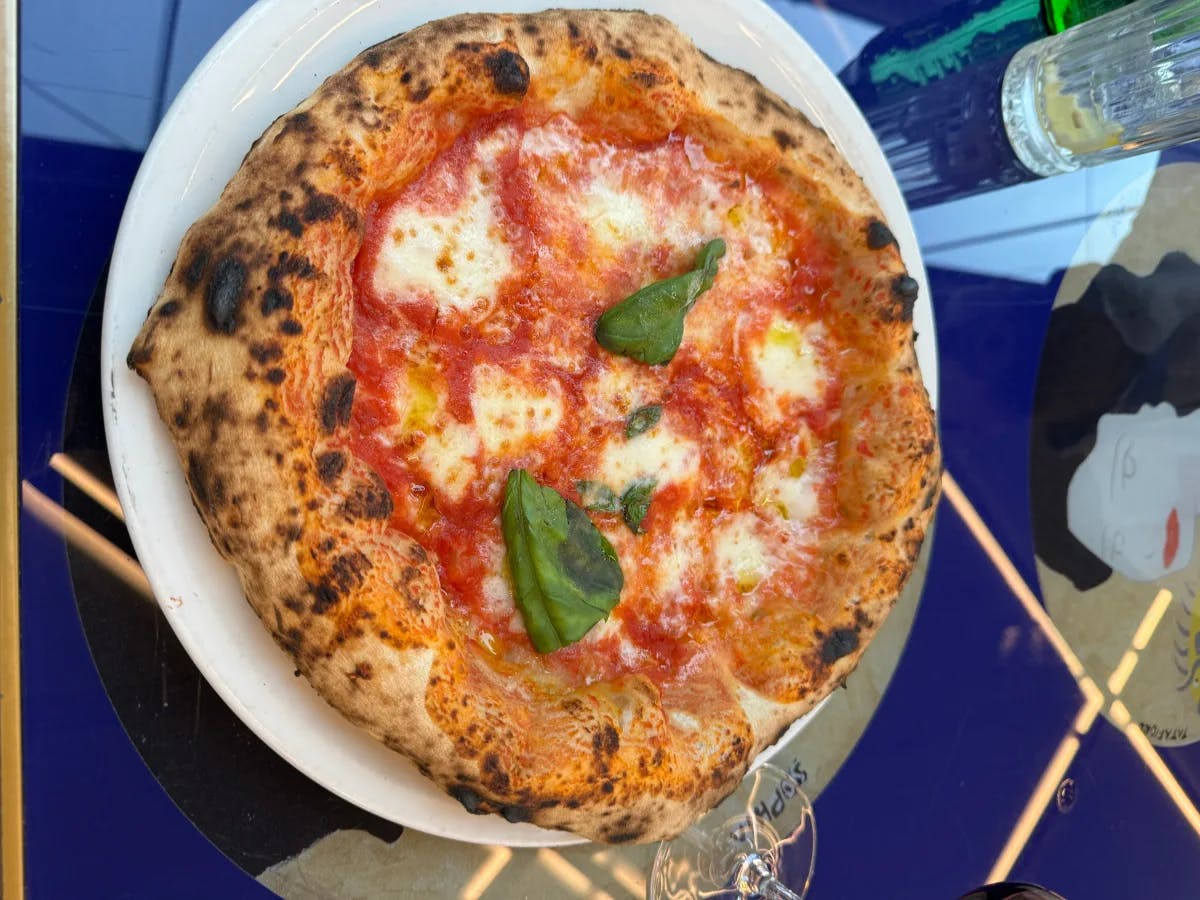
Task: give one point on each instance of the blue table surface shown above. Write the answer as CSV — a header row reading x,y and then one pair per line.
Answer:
x,y
979,704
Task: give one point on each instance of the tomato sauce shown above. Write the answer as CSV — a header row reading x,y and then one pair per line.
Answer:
x,y
417,362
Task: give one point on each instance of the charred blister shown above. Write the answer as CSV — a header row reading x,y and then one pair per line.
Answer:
x,y
606,741
325,597
841,642
193,272
879,235
288,221
509,71
274,298
470,800
516,814
371,500
319,208
330,465
337,402
224,295
169,309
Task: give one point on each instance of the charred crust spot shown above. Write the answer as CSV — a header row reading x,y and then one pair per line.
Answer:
x,y
274,298
300,122
349,571
493,774
337,402
293,604
363,671
215,413
624,837
510,73
262,422
841,642
783,140
195,477
928,447
330,465
573,30
290,534
168,309
183,417
405,77
516,814
621,52
193,272
224,294
421,93
369,501
325,597
266,353
372,59
530,28
139,354
606,787
417,554
646,79
291,327
288,264
275,375
606,741
319,208
287,221
879,235
904,289
470,800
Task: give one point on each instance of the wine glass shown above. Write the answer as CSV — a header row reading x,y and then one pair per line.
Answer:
x,y
759,842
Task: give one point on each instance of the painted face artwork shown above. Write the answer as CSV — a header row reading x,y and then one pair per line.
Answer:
x,y
1134,500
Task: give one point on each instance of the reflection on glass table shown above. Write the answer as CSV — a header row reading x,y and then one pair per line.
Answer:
x,y
760,842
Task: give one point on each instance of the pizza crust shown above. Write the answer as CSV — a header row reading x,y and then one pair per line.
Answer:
x,y
245,351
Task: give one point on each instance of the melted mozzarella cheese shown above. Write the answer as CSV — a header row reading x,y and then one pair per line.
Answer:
x,y
659,453
677,556
787,487
741,553
458,260
448,457
616,217
511,411
787,363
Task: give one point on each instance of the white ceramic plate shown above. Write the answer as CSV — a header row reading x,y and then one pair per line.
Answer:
x,y
270,60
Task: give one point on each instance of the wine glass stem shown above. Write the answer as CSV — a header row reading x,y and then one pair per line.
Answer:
x,y
757,880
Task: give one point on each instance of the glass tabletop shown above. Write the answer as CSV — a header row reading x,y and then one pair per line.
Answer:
x,y
1028,713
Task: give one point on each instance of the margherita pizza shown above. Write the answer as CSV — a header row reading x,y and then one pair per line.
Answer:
x,y
551,388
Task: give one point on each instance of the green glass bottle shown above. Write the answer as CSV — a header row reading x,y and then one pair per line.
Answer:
x,y
930,89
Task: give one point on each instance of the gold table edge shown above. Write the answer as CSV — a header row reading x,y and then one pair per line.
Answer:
x,y
12,862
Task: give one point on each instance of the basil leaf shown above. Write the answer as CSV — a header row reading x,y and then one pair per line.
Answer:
x,y
598,497
635,502
565,573
642,420
648,324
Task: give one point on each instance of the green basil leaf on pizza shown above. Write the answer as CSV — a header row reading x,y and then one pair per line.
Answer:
x,y
565,573
648,324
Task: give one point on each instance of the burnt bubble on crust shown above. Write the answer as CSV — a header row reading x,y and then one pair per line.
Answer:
x,y
330,465
470,799
879,235
841,642
905,288
337,401
224,294
275,299
516,814
509,71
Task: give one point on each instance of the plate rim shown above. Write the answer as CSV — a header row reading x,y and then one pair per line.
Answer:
x,y
799,53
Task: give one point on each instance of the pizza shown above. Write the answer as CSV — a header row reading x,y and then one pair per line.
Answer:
x,y
551,388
